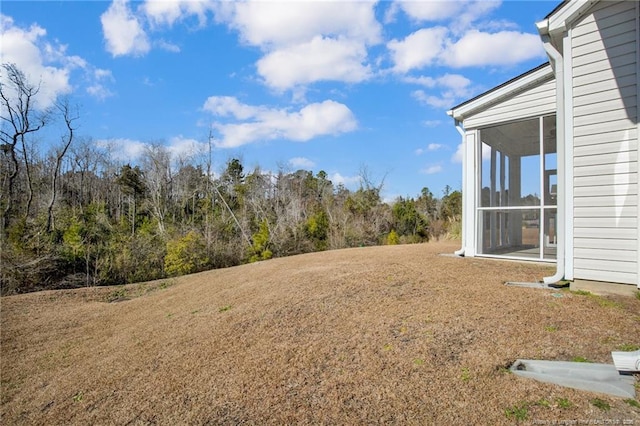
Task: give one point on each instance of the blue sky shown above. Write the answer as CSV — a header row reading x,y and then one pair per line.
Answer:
x,y
317,85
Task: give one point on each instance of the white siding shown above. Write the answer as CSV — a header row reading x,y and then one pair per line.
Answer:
x,y
605,152
536,101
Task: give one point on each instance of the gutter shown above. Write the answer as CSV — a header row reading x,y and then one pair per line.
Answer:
x,y
557,63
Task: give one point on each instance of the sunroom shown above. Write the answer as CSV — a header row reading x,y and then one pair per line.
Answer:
x,y
510,169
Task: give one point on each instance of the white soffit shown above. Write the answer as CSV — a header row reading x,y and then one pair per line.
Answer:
x,y
506,90
562,19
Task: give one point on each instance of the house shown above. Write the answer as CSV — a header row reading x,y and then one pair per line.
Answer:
x,y
550,169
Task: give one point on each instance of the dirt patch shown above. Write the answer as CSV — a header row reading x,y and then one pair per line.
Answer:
x,y
395,334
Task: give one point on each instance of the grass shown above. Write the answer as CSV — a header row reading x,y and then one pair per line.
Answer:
x,y
579,359
517,412
321,338
132,291
632,402
600,300
466,374
626,347
521,411
564,403
117,295
601,404
543,403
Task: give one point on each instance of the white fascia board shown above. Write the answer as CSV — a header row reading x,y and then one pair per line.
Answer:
x,y
520,84
561,20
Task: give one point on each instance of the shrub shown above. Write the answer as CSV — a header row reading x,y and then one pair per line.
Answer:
x,y
259,249
185,255
317,229
392,238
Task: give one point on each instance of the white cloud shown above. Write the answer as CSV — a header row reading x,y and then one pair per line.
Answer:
x,y
47,64
253,124
348,181
180,147
317,60
431,10
163,12
25,48
431,170
457,83
130,150
474,48
458,156
445,100
306,42
417,50
122,149
224,106
478,48
123,31
430,147
453,87
125,28
98,89
102,74
432,123
302,162
461,38
168,46
279,24
460,13
473,12
167,12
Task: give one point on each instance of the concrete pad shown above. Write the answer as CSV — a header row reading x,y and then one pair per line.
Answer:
x,y
603,288
528,285
601,378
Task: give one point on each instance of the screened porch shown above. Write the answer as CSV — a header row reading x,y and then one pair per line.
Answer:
x,y
516,208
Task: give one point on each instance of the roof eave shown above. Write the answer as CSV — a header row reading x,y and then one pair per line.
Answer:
x,y
563,18
516,85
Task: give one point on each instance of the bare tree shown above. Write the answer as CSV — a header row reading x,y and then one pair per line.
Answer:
x,y
82,185
19,118
157,171
59,155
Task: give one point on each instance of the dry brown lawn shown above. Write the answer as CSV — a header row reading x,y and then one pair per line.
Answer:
x,y
395,334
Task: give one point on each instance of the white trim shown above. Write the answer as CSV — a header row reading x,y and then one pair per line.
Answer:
x,y
542,227
523,207
524,259
460,129
561,20
471,164
507,90
638,126
568,163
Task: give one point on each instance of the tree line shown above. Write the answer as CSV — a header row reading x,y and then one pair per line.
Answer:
x,y
72,215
